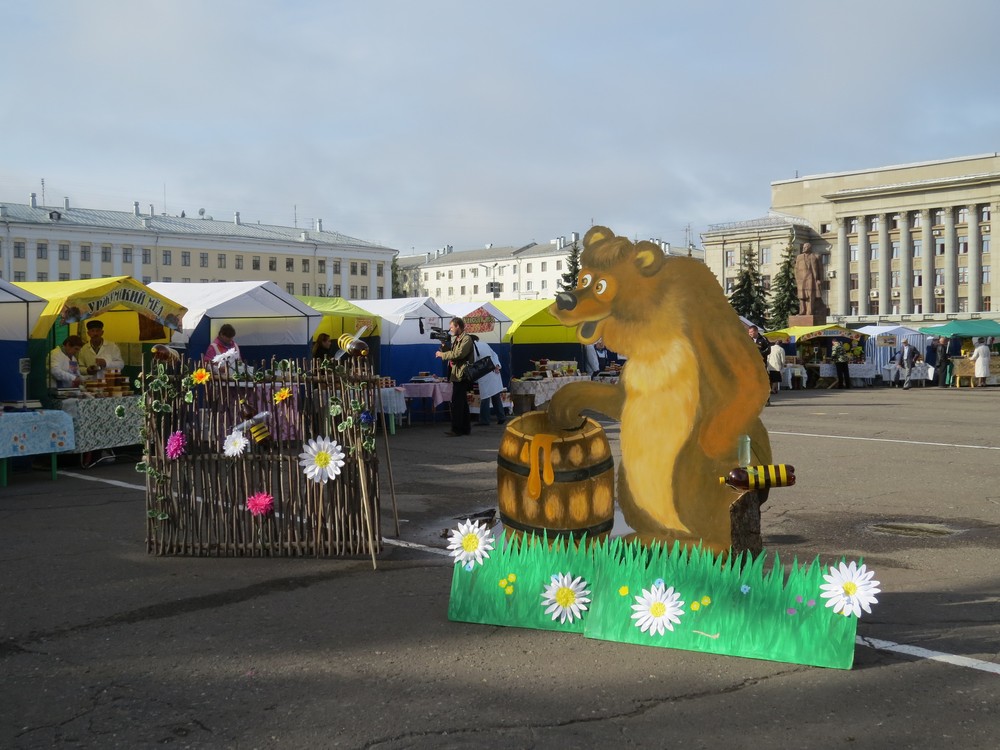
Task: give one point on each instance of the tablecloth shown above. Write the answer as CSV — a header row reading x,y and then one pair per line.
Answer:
x,y
542,390
918,373
439,393
97,426
793,371
858,371
33,432
393,400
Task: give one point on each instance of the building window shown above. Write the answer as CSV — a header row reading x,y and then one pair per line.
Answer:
x,y
873,280
380,271
527,286
918,306
305,266
894,221
289,264
986,274
426,276
939,247
19,251
963,215
765,283
730,285
272,264
500,270
222,260
186,280
874,251
874,223
730,258
255,263
437,292
85,253
918,247
380,293
336,268
147,256
963,245
514,287
305,290
239,262
894,277
852,225
462,290
42,251
918,278
364,292
544,284
824,229
544,266
462,273
126,255
354,269
765,255
167,279
321,290
987,304
986,243
63,251
854,252
558,265
985,213
451,274
938,215
364,271
18,275
854,281
166,258
64,277
354,291
938,276
321,265
203,260
895,249
528,269
145,279
451,291
105,254
185,258
290,287
963,274
42,276
336,290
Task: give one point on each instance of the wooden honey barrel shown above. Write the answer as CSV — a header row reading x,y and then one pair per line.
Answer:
x,y
561,482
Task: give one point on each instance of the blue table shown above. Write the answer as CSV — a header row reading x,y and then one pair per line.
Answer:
x,y
29,433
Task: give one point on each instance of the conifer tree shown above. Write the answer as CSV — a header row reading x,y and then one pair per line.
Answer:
x,y
784,293
397,280
748,292
568,282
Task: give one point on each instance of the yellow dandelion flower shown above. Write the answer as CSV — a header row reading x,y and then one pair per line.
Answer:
x,y
509,590
511,577
695,606
281,395
503,583
623,591
706,600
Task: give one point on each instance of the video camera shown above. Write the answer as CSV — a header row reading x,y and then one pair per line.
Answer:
x,y
439,334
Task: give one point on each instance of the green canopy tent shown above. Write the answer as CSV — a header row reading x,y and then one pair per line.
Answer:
x,y
965,329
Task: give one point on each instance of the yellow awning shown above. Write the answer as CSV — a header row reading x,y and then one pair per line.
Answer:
x,y
341,316
532,323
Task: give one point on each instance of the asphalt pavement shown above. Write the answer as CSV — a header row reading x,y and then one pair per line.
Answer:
x,y
105,646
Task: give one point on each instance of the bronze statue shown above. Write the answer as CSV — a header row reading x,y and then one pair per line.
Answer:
x,y
808,280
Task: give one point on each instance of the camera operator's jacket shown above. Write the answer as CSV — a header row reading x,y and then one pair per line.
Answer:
x,y
459,357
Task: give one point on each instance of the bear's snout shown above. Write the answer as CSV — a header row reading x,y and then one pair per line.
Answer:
x,y
565,301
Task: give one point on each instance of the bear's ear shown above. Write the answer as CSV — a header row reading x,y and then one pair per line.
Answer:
x,y
648,257
596,235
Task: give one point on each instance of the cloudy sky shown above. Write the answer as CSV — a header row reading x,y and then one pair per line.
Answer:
x,y
459,122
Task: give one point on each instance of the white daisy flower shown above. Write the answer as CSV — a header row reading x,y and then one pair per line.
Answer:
x,y
657,609
321,459
566,597
850,589
470,543
234,444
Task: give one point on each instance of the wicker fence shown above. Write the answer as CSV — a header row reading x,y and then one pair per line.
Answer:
x,y
217,485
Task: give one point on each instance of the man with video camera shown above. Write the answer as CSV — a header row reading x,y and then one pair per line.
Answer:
x,y
458,353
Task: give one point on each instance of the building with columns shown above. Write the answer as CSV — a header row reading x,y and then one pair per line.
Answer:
x,y
902,243
43,243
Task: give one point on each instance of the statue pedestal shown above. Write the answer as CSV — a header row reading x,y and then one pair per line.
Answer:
x,y
818,319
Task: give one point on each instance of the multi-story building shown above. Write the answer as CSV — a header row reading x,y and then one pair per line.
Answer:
x,y
529,272
899,243
41,243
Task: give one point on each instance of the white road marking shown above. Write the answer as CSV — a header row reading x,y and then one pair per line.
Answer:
x,y
887,440
112,482
414,545
925,653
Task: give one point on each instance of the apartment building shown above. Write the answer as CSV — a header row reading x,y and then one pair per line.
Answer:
x,y
910,242
44,243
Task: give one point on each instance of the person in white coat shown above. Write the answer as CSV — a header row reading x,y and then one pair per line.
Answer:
x,y
490,386
981,356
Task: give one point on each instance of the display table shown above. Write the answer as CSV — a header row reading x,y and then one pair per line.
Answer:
x,y
892,373
30,433
789,372
437,393
963,367
392,404
543,389
97,425
861,371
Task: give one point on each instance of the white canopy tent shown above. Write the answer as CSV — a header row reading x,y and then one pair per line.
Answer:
x,y
406,346
268,321
19,313
476,316
882,355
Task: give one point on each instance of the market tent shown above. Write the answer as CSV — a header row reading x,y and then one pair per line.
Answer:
x,y
488,323
535,333
406,346
798,334
269,322
132,313
19,312
881,354
965,328
341,316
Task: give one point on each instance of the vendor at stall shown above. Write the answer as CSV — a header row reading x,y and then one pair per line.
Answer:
x,y
599,357
64,368
98,355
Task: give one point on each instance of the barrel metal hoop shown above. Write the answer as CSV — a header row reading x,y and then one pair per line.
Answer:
x,y
597,528
566,475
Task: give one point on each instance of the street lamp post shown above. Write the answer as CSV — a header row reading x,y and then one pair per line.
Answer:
x,y
494,285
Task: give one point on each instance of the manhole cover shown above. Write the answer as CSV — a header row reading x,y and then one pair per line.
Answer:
x,y
913,529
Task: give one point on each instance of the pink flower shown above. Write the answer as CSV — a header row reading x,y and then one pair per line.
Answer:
x,y
260,503
176,445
